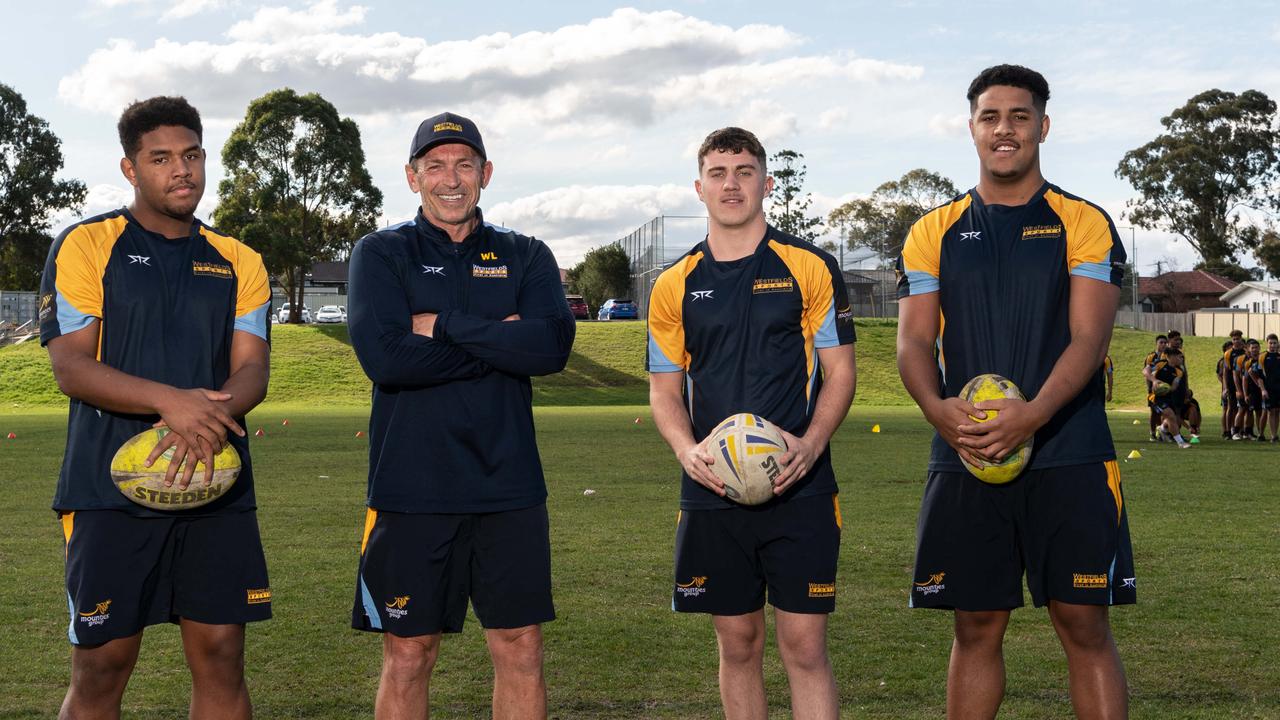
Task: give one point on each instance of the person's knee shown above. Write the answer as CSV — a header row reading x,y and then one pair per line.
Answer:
x,y
101,669
1082,627
740,643
408,660
516,650
974,630
803,651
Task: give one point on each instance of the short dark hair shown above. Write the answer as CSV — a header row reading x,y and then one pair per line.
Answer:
x,y
733,140
1237,333
1273,336
1161,337
1226,345
1252,341
143,116
1173,352
1174,334
1013,76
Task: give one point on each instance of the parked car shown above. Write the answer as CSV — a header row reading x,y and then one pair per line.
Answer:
x,y
618,309
331,314
283,316
578,307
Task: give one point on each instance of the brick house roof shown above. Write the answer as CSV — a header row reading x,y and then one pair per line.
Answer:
x,y
1189,282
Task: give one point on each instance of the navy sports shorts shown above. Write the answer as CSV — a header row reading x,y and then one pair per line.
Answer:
x,y
1253,398
726,559
1273,397
1066,527
418,571
126,572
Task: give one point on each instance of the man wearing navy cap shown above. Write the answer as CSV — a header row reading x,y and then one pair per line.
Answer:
x,y
450,317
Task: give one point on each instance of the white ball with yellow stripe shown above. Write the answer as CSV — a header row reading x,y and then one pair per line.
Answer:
x,y
746,449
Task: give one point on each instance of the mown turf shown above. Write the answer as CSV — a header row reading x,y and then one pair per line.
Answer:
x,y
1200,644
314,365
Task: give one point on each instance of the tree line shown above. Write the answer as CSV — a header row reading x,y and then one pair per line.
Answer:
x,y
297,191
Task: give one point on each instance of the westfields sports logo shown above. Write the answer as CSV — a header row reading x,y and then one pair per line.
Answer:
x,y
481,271
209,269
395,608
1084,580
821,590
259,596
932,585
693,588
1031,232
98,615
769,285
442,126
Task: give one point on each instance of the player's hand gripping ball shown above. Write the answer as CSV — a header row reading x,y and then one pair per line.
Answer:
x,y
1160,388
746,448
145,485
994,387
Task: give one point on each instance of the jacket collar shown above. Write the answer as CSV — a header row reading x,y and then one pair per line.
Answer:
x,y
438,235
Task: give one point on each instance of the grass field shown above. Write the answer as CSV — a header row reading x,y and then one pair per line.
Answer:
x,y
1202,642
314,365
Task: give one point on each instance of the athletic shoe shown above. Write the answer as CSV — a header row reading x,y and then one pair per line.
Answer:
x,y
1226,435
1237,436
1184,445
1153,438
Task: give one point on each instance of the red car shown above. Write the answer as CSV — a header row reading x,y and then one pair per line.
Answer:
x,y
578,307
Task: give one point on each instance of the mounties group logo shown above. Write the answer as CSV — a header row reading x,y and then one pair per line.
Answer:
x,y
933,585
46,305
98,615
693,588
395,608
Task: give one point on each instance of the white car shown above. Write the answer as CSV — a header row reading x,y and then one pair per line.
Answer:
x,y
331,314
283,315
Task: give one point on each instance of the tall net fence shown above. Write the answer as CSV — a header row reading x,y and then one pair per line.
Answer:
x,y
655,245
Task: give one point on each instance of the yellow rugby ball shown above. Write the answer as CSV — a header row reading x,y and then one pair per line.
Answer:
x,y
145,485
994,387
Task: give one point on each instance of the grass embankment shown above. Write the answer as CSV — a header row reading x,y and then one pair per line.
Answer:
x,y
314,366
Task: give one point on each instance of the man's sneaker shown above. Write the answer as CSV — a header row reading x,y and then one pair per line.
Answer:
x,y
1153,438
1226,434
1184,445
1237,436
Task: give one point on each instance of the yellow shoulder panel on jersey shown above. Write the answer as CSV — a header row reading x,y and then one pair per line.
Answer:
x,y
81,262
667,351
1089,236
922,251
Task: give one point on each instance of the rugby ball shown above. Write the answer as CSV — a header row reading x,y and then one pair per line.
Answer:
x,y
746,449
994,387
145,485
1161,387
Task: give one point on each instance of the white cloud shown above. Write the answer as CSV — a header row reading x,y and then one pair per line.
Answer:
x,y
574,219
174,11
282,23
949,126
770,121
833,118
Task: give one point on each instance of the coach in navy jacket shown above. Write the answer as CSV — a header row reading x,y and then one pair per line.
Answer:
x,y
450,317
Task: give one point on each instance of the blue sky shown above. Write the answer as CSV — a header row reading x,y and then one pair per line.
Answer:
x,y
592,112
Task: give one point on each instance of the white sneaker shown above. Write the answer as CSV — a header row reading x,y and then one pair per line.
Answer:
x,y
1184,445
1237,436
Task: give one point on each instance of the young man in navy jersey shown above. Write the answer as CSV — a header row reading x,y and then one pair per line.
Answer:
x,y
149,315
450,317
1027,278
754,320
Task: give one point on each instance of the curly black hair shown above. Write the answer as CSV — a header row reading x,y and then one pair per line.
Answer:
x,y
143,116
1013,76
732,140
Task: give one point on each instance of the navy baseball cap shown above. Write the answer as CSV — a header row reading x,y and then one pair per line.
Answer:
x,y
446,128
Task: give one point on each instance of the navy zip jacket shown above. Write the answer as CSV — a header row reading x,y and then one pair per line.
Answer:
x,y
451,430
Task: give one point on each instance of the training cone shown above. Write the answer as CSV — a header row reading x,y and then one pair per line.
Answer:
x,y
259,433
1137,422
12,436
1134,455
637,421
284,421
875,428
1195,440
359,433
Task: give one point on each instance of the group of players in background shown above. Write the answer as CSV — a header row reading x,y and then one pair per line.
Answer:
x,y
1249,381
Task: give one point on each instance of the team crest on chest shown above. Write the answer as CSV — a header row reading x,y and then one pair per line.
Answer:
x,y
209,269
487,271
773,285
1036,232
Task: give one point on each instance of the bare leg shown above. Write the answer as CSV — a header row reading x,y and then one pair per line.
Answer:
x,y
406,676
802,642
99,675
519,688
215,655
741,640
1098,687
975,677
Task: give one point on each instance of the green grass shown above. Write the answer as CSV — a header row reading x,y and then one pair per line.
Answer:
x,y
1201,643
314,365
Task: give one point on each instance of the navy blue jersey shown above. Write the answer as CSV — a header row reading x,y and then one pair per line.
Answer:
x,y
168,309
745,334
1003,274
1176,377
451,428
1271,370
